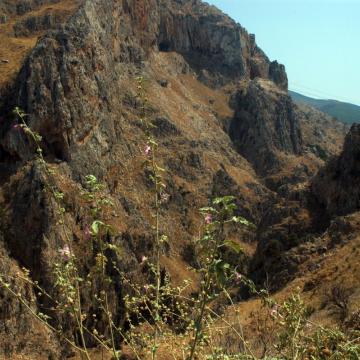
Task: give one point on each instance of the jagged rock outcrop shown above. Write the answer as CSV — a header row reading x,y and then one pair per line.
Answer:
x,y
74,64
78,88
218,48
285,143
264,125
320,132
309,209
336,187
278,75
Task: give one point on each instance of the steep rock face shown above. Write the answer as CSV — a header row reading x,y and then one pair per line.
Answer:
x,y
336,187
264,124
33,235
287,145
78,87
284,142
278,75
322,135
218,48
75,63
298,217
24,22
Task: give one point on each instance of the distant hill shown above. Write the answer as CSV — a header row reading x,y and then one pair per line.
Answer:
x,y
345,112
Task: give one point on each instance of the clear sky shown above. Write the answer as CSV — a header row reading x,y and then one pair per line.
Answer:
x,y
317,40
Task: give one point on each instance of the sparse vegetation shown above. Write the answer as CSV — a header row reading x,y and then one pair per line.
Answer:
x,y
162,317
338,298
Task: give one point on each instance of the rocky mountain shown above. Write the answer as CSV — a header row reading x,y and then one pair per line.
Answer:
x,y
344,112
225,125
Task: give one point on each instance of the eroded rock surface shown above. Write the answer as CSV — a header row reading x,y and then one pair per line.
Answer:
x,y
264,124
78,88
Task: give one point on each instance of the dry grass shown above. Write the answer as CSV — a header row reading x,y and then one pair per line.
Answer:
x,y
337,267
15,49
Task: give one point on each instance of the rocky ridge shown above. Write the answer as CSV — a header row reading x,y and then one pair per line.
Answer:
x,y
225,125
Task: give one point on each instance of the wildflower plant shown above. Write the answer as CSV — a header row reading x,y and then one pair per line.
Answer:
x,y
157,313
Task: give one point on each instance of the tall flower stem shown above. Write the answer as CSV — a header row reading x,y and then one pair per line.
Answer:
x,y
157,257
199,320
150,150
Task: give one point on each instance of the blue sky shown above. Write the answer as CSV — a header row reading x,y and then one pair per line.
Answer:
x,y
317,40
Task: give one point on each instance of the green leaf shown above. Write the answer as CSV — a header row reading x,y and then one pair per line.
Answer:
x,y
151,125
233,245
207,210
95,226
243,221
225,200
220,268
230,207
58,195
164,239
91,179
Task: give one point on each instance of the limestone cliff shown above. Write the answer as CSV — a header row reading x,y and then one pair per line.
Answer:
x,y
264,124
225,126
105,42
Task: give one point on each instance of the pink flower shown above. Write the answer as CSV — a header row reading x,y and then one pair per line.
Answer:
x,y
87,232
208,219
238,277
146,287
17,127
143,259
147,149
65,253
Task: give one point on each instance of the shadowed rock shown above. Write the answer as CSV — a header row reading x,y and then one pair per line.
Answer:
x,y
336,187
264,124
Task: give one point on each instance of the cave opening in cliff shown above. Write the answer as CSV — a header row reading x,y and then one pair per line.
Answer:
x,y
164,46
58,149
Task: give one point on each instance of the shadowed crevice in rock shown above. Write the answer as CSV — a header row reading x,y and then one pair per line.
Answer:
x,y
336,187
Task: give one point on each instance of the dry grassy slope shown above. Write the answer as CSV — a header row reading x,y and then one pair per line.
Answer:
x,y
337,267
14,49
329,261
195,154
